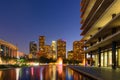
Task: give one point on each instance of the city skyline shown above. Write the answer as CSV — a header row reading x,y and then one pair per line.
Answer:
x,y
24,21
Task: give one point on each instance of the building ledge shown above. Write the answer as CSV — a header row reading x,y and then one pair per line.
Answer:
x,y
101,17
8,44
115,37
106,29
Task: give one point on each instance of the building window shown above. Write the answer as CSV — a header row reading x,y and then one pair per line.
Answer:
x,y
102,59
110,58
119,57
96,60
105,59
88,56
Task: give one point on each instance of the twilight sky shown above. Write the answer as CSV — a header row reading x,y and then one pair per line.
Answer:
x,y
22,21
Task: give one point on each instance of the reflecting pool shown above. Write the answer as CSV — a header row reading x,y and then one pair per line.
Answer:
x,y
44,72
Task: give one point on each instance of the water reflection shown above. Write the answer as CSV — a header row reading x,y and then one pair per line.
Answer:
x,y
51,72
17,73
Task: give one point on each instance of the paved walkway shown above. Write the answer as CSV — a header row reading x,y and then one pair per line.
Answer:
x,y
98,73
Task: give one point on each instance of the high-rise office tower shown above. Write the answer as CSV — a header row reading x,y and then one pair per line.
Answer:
x,y
54,49
77,51
61,48
41,43
48,51
70,55
54,45
33,47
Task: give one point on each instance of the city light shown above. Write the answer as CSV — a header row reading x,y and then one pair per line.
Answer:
x,y
59,61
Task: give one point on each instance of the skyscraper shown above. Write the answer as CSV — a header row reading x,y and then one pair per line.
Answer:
x,y
70,55
77,51
54,45
33,47
54,49
47,51
41,43
61,48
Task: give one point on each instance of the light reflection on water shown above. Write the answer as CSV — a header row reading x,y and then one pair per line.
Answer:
x,y
51,72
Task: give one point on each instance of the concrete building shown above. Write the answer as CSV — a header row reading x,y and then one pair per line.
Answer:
x,y
20,54
100,21
78,51
54,49
61,48
41,43
33,47
70,55
48,51
7,49
54,46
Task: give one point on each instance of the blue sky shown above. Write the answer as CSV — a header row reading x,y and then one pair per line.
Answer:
x,y
22,21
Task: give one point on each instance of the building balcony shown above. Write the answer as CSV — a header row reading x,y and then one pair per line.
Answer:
x,y
106,30
106,34
108,40
105,18
85,11
100,11
84,6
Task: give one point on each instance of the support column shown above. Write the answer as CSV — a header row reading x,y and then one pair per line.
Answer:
x,y
7,51
99,39
107,58
99,57
85,59
114,55
4,50
103,59
10,52
14,53
91,60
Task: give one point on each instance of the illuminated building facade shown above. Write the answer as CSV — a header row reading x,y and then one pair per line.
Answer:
x,y
7,49
54,45
101,31
33,47
41,43
47,51
61,48
70,55
20,54
54,49
77,51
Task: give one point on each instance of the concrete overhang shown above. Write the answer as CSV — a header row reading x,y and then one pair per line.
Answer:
x,y
88,9
114,8
8,44
115,37
114,23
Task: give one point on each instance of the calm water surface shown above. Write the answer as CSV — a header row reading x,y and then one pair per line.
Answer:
x,y
49,72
